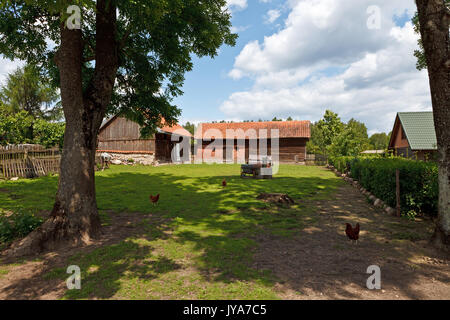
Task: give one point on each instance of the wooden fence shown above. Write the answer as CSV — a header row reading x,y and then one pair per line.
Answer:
x,y
28,161
316,160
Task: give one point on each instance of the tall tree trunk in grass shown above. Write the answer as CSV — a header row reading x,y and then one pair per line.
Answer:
x,y
147,46
74,217
434,20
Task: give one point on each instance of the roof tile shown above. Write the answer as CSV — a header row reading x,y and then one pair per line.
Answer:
x,y
419,129
287,129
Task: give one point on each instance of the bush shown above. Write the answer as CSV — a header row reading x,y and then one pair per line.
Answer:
x,y
15,128
49,134
418,181
17,225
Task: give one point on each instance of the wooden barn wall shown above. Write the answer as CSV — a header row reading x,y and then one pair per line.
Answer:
x,y
123,135
289,149
140,146
400,140
163,146
292,147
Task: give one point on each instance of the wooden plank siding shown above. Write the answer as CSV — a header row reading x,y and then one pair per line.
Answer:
x,y
290,149
123,136
127,146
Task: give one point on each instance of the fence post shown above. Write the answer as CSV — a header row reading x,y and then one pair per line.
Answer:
x,y
397,190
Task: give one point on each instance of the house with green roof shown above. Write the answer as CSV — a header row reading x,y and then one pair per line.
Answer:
x,y
414,136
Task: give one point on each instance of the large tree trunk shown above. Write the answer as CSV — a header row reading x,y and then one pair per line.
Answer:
x,y
434,20
74,218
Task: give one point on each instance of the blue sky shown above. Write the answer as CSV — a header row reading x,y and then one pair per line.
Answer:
x,y
316,55
208,85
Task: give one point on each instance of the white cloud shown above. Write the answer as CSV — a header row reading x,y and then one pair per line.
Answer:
x,y
238,29
7,66
237,4
326,57
272,15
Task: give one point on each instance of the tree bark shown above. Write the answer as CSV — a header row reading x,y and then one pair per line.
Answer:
x,y
434,20
74,218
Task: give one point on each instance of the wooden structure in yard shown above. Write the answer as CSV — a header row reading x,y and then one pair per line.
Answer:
x,y
316,160
258,168
28,161
119,135
414,136
292,139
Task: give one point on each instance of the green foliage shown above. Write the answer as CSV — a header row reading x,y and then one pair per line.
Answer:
x,y
48,134
16,128
418,180
323,132
330,126
351,141
19,128
379,141
27,90
330,136
190,127
17,225
27,103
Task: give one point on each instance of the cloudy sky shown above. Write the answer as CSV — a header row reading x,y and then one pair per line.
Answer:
x,y
300,57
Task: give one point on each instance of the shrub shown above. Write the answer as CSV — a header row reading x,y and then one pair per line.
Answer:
x,y
418,180
49,134
17,225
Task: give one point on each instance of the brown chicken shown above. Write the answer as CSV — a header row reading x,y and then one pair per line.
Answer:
x,y
224,183
352,233
154,199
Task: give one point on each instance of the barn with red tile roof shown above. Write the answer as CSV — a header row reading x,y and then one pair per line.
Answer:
x,y
292,139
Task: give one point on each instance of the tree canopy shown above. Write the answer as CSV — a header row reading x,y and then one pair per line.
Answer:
x,y
379,141
351,141
155,41
331,136
26,90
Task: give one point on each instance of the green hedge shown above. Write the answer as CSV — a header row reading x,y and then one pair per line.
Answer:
x,y
418,180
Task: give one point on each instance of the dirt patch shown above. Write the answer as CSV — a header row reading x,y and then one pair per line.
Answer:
x,y
24,279
278,198
321,263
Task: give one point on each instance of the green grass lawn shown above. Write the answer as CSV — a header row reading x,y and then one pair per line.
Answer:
x,y
198,241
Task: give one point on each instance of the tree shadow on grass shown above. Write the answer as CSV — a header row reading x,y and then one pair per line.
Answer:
x,y
235,237
122,252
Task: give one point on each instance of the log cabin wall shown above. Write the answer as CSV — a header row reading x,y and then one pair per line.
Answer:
x,y
164,146
290,149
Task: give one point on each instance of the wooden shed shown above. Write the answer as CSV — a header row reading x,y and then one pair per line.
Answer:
x,y
292,139
119,135
414,136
